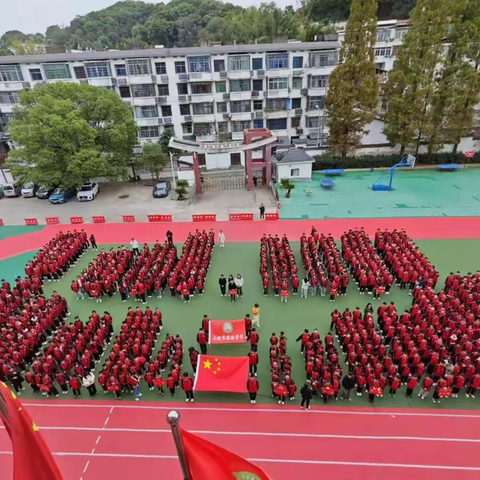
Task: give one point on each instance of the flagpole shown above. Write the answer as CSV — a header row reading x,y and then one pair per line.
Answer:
x,y
173,419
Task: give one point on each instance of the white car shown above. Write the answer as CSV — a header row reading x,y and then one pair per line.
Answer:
x,y
29,189
88,192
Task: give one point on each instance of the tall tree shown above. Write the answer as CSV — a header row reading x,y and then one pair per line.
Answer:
x,y
69,133
153,158
353,90
411,84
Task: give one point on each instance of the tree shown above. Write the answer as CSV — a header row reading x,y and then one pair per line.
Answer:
x,y
57,36
287,186
26,47
181,189
353,91
164,140
68,133
153,159
410,87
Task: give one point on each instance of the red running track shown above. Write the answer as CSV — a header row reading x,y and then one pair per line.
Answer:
x,y
97,440
417,228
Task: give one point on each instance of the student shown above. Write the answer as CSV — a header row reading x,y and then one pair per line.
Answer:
x,y
134,245
221,239
284,292
256,316
411,385
193,355
134,382
304,289
222,281
202,341
307,394
187,386
252,388
169,237
239,284
394,386
253,362
348,383
88,381
113,385
159,382
93,242
426,387
254,337
171,384
232,290
75,386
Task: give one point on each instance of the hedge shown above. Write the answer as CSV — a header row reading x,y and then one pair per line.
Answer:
x,y
326,161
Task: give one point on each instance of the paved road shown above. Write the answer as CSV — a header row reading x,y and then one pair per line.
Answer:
x,y
138,202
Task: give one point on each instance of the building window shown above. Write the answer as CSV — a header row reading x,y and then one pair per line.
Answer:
x,y
80,72
277,124
278,83
185,109
258,104
297,62
297,83
222,127
220,87
318,81
400,33
98,69
147,111
383,52
182,88
296,122
124,91
160,68
316,102
203,128
324,59
219,65
257,63
238,63
187,129
242,106
199,64
242,85
139,67
163,90
258,124
239,127
257,85
395,50
11,73
180,67
222,107
201,88
294,172
313,122
296,103
276,61
36,74
148,132
205,108
9,97
235,159
202,159
6,118
275,104
166,111
383,34
147,90
121,70
57,71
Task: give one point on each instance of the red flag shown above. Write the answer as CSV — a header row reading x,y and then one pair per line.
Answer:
x,y
227,331
207,461
221,374
32,459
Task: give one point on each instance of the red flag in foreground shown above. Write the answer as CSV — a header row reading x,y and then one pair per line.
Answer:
x,y
227,331
221,374
32,459
207,461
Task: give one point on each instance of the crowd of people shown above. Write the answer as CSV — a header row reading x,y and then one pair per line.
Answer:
x,y
278,254
282,383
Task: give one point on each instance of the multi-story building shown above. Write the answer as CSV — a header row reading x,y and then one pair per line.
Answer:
x,y
205,93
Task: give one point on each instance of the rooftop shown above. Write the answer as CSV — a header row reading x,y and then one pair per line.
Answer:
x,y
294,155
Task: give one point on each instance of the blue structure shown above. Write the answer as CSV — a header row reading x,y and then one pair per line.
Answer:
x,y
381,184
449,167
334,171
327,183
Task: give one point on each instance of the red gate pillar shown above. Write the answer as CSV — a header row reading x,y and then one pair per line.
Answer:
x,y
196,171
249,169
268,165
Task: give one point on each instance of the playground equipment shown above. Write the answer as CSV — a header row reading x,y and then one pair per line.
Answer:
x,y
327,183
449,167
381,185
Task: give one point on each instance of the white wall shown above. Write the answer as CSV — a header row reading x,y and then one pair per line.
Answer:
x,y
283,171
188,175
5,176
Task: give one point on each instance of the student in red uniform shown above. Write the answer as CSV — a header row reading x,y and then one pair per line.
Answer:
x,y
193,354
159,382
252,388
75,385
171,384
394,386
248,325
187,386
411,385
473,386
426,387
253,362
202,341
254,337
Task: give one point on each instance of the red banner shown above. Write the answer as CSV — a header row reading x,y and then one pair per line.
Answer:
x,y
221,374
227,331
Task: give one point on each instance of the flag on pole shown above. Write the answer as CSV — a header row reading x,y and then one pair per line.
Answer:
x,y
32,459
221,374
227,331
207,461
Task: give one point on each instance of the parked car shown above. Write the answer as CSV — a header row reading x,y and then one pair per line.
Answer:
x,y
161,189
44,192
29,190
88,192
12,190
60,195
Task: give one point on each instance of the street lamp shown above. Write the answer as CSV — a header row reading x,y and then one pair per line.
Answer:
x,y
317,106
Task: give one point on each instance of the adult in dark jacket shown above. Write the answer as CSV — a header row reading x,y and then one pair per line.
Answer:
x,y
16,379
307,395
348,383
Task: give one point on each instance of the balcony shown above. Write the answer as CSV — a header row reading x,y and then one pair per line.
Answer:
x,y
202,97
314,112
146,122
14,86
240,95
100,82
283,93
316,92
276,113
140,79
241,116
240,74
200,77
144,101
205,138
209,118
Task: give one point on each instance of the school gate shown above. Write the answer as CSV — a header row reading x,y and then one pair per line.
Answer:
x,y
223,180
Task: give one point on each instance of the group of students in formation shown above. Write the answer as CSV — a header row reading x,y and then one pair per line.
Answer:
x,y
277,254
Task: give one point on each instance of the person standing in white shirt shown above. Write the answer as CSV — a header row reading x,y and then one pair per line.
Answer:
x,y
134,245
221,239
239,284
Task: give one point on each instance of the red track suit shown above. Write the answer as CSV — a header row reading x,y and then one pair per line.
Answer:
x,y
426,387
187,386
411,384
253,362
252,388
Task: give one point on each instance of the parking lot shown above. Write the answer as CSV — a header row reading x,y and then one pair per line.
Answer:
x,y
115,200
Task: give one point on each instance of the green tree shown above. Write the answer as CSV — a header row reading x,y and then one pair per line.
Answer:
x,y
287,186
181,189
26,47
69,133
164,140
57,36
353,91
411,84
153,159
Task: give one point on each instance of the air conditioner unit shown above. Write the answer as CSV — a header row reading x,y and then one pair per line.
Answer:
x,y
160,100
304,91
195,76
299,130
167,121
26,85
187,118
183,76
260,73
164,78
114,81
226,96
255,93
223,74
182,98
122,81
226,116
298,111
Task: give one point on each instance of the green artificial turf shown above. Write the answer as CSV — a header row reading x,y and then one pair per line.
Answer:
x,y
292,318
13,231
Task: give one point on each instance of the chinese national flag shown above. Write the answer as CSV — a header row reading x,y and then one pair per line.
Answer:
x,y
32,459
221,374
227,331
207,461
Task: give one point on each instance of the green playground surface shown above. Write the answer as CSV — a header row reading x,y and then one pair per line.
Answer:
x,y
292,318
416,193
13,231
